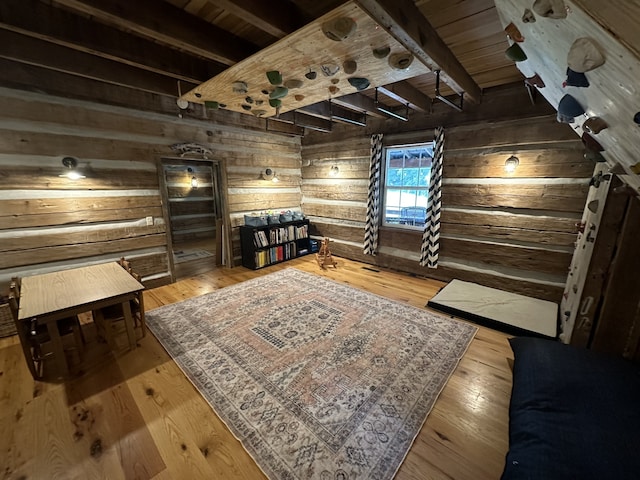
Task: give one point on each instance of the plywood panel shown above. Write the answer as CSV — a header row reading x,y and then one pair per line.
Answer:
x,y
308,48
612,95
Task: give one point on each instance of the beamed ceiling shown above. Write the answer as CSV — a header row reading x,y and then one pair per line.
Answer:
x,y
116,50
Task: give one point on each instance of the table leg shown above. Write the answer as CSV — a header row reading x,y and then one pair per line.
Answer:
x,y
128,323
58,350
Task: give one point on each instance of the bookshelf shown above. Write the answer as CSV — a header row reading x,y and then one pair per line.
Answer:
x,y
269,244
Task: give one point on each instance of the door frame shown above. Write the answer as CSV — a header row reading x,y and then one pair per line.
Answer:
x,y
218,181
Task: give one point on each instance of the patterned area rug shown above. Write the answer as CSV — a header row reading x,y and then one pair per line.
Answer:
x,y
318,380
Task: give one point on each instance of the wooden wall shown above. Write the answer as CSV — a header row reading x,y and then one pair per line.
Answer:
x,y
246,189
49,223
509,231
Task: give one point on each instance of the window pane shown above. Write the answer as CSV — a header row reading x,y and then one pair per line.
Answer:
x,y
394,177
423,178
407,171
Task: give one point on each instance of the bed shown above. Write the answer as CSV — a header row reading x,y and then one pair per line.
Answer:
x,y
574,414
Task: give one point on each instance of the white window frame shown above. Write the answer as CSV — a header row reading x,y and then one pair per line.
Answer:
x,y
395,215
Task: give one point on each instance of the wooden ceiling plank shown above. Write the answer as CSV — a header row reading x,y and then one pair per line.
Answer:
x,y
406,93
409,26
276,17
36,19
167,24
32,51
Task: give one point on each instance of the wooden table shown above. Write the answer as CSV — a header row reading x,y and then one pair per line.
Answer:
x,y
51,296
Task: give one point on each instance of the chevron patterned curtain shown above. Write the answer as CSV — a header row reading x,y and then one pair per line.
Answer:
x,y
373,200
431,234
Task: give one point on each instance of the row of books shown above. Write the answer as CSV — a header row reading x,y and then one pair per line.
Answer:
x,y
280,235
275,254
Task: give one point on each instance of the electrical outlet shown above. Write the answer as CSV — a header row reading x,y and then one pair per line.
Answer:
x,y
149,221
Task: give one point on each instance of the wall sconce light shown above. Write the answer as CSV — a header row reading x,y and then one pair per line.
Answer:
x,y
71,164
270,174
334,171
511,164
194,180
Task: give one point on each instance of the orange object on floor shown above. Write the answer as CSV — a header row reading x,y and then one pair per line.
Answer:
x,y
323,256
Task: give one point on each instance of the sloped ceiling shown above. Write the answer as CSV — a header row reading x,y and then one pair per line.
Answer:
x,y
151,45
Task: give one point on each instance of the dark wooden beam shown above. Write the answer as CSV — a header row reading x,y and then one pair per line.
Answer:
x,y
359,102
307,121
39,20
276,17
287,128
332,112
406,93
408,25
20,76
161,21
33,51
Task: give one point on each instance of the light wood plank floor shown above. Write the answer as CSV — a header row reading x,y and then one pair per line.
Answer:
x,y
134,415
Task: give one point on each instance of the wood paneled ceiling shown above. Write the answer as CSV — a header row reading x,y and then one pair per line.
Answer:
x,y
120,47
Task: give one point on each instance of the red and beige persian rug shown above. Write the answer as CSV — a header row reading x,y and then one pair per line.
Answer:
x,y
318,380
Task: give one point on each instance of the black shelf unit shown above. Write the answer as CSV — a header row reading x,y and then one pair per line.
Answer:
x,y
270,244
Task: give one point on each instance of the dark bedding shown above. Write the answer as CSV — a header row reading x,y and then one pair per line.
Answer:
x,y
574,414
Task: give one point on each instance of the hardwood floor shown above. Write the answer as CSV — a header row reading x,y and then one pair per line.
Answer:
x,y
134,415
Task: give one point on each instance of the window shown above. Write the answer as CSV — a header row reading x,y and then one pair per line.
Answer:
x,y
406,186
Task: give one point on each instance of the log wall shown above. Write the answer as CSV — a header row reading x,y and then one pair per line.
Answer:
x,y
48,222
510,231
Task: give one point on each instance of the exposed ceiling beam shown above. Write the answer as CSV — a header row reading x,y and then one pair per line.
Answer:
x,y
33,51
161,21
405,93
329,112
307,121
36,19
277,126
276,17
359,102
37,79
407,24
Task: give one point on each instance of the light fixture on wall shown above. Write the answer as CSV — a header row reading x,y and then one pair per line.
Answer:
x,y
71,165
194,180
334,170
511,164
270,174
